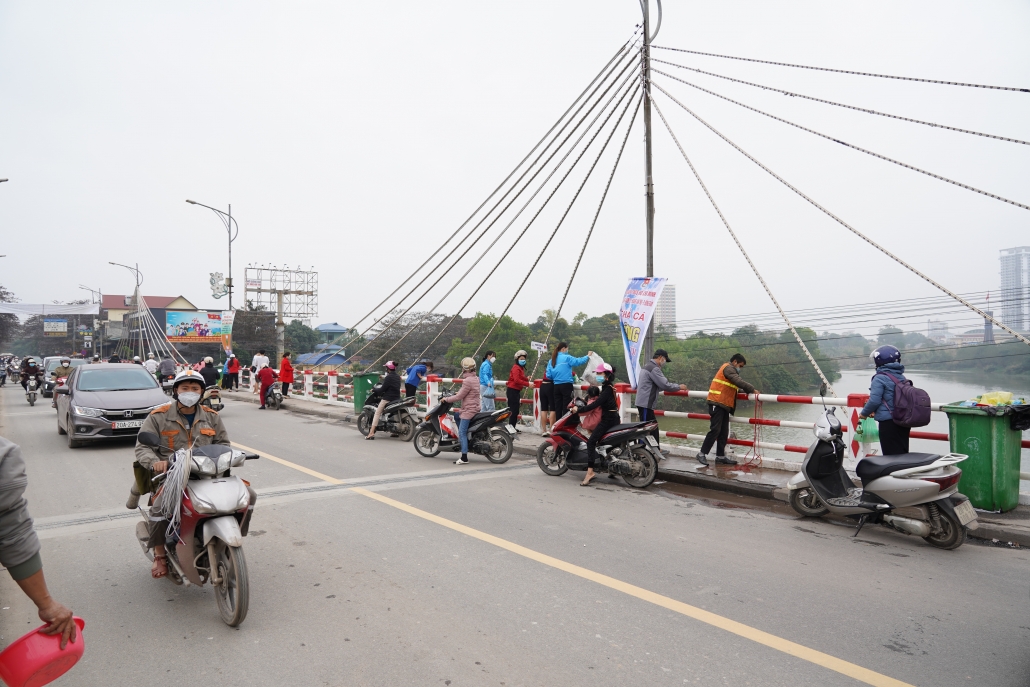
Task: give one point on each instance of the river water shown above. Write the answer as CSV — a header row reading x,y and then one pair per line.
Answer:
x,y
943,387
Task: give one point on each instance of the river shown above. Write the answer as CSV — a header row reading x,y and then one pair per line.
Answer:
x,y
946,387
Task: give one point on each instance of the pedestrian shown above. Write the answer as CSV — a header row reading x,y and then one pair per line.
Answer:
x,y
650,381
609,406
469,397
722,402
487,391
266,380
517,381
388,393
416,375
546,398
559,370
19,545
889,372
257,362
225,374
286,373
234,373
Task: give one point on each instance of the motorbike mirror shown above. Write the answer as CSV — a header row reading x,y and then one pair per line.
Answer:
x,y
62,390
822,389
148,439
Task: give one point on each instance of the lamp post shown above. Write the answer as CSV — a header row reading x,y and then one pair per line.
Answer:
x,y
229,222
98,342
135,299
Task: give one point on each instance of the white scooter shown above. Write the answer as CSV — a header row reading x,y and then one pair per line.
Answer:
x,y
912,493
30,391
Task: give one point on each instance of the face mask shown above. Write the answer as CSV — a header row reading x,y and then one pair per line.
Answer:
x,y
522,363
492,360
189,398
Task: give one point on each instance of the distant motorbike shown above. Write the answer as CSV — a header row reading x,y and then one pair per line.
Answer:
x,y
214,516
628,450
398,418
212,398
30,389
489,434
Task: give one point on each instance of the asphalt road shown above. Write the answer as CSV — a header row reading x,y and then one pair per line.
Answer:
x,y
370,565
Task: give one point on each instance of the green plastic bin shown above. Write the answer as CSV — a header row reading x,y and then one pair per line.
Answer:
x,y
990,477
363,383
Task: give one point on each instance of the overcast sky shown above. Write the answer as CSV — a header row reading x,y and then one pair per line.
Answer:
x,y
353,137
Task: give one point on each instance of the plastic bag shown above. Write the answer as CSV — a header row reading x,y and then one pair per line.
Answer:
x,y
588,374
996,398
868,431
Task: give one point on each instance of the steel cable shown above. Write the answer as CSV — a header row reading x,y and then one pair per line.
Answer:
x,y
846,144
847,226
845,71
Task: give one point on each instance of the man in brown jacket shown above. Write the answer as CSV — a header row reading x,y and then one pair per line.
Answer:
x,y
722,401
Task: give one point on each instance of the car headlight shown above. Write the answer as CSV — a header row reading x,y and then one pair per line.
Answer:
x,y
88,412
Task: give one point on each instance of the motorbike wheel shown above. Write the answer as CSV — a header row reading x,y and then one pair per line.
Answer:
x,y
649,471
364,423
427,443
501,447
233,594
549,461
952,533
407,428
807,503
32,400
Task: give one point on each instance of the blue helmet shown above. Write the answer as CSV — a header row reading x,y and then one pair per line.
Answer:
x,y
886,354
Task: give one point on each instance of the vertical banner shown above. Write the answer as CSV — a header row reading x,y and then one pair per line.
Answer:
x,y
638,306
227,318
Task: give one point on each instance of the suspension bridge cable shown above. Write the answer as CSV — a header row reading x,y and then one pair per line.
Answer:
x,y
586,241
743,252
849,107
845,71
847,226
572,202
599,75
531,221
851,145
458,257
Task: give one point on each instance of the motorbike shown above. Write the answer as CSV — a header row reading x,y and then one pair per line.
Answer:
x,y
489,434
58,382
911,493
398,417
212,398
30,389
628,450
273,397
214,515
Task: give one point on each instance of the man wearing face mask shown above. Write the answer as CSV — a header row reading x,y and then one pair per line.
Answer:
x,y
517,381
487,392
180,424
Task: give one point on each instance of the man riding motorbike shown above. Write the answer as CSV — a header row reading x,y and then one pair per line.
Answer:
x,y
166,369
63,370
30,369
151,364
208,372
180,424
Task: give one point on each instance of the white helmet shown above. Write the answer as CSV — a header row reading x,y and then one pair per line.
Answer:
x,y
519,353
150,356
209,359
187,375
827,427
135,358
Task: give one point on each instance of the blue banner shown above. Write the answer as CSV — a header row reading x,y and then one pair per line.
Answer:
x,y
638,304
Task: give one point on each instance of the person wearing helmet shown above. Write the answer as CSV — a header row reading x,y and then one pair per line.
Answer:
x,y
64,370
95,361
609,406
209,373
180,424
469,397
30,370
266,377
391,391
166,368
416,375
889,373
137,360
487,390
517,381
151,364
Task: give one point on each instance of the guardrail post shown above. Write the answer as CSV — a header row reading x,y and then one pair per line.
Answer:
x,y
859,451
309,384
536,405
332,384
624,396
432,391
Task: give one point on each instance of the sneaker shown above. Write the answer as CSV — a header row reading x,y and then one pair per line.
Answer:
x,y
703,459
723,460
463,460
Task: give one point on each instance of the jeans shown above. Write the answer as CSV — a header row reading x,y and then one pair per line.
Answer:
x,y
486,403
893,438
514,403
463,434
648,414
719,432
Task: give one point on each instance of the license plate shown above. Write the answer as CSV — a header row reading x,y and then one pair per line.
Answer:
x,y
126,424
651,441
511,430
965,513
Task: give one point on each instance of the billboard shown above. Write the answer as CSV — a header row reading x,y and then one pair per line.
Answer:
x,y
227,319
638,304
55,327
193,327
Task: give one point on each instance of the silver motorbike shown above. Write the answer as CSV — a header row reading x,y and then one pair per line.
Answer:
x,y
911,493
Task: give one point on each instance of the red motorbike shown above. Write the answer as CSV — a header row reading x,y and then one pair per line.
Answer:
x,y
627,450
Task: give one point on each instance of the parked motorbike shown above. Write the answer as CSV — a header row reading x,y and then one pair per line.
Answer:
x,y
912,493
212,398
489,434
399,417
215,513
274,397
627,450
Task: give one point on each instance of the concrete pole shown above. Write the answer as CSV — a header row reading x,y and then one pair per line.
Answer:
x,y
280,328
645,62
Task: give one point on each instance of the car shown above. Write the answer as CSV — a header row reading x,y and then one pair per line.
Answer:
x,y
51,363
106,401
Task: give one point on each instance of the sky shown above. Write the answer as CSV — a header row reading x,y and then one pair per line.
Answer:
x,y
353,138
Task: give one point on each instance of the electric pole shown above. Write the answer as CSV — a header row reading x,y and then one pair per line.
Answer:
x,y
645,67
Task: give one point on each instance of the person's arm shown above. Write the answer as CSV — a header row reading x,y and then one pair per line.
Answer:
x,y
462,393
148,457
734,377
576,362
58,618
875,397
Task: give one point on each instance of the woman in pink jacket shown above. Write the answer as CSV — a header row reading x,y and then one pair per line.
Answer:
x,y
469,397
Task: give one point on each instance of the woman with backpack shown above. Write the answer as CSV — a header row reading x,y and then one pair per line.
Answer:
x,y
889,374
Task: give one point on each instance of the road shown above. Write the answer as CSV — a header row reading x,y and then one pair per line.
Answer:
x,y
370,565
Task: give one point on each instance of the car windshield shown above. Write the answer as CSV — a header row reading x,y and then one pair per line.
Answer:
x,y
116,379
54,364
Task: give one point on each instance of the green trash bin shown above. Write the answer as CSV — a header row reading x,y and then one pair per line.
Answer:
x,y
990,477
363,383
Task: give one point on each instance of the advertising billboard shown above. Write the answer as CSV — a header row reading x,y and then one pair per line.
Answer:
x,y
638,304
55,327
193,327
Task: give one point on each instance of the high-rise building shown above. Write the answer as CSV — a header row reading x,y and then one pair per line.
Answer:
x,y
937,330
1015,287
665,309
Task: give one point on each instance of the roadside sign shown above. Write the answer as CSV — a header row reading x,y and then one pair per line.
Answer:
x,y
538,346
55,327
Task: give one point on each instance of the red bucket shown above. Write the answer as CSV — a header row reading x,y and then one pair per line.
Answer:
x,y
37,659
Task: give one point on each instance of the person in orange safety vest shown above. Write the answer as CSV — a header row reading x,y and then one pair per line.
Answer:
x,y
722,401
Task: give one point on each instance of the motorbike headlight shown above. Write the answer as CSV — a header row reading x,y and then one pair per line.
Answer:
x,y
87,412
202,465
225,461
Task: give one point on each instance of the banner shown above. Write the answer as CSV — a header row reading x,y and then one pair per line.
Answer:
x,y
638,306
55,327
227,319
49,309
193,327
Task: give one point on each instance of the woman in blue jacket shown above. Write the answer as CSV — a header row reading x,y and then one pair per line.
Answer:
x,y
559,371
893,437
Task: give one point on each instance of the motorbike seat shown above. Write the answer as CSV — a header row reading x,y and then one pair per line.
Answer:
x,y
481,416
393,405
874,467
621,428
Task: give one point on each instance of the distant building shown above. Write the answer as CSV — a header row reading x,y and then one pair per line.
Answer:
x,y
970,337
1015,287
988,328
665,309
330,331
937,330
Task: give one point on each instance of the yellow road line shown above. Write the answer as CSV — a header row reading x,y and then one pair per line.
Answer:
x,y
307,471
747,632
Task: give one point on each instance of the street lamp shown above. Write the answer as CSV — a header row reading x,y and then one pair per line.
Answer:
x,y
134,270
229,222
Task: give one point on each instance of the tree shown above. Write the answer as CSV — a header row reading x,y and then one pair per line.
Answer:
x,y
890,335
8,323
300,338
